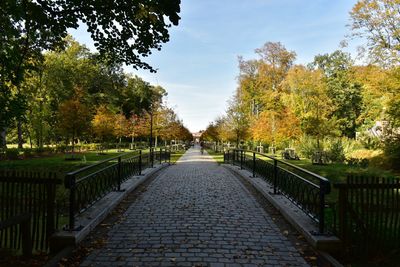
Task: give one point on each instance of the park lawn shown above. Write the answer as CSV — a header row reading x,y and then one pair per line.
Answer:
x,y
334,172
57,163
337,172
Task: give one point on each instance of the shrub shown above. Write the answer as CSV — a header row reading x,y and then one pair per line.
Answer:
x,y
307,146
27,152
392,150
336,150
61,148
12,153
368,141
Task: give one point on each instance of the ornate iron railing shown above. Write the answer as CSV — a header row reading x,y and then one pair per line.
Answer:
x,y
88,185
305,189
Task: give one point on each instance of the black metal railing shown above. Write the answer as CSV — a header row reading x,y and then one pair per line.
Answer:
x,y
369,216
305,189
28,210
88,185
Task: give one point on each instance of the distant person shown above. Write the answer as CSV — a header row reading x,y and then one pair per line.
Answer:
x,y
202,147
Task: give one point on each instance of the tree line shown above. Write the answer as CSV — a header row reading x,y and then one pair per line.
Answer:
x,y
278,102
46,79
74,95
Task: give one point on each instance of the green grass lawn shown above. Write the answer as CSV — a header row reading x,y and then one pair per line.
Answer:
x,y
334,172
57,163
218,157
175,156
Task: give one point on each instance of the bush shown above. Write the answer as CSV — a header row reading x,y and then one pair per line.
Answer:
x,y
391,149
368,141
61,148
12,153
27,152
338,148
307,146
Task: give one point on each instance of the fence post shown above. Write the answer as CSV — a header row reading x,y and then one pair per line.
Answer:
x,y
70,184
275,175
119,173
342,212
254,164
241,159
51,201
26,237
140,162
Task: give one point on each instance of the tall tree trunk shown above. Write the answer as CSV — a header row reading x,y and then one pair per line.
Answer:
x,y
3,138
20,139
29,137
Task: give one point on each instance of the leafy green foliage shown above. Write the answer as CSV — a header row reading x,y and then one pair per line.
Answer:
x,y
123,32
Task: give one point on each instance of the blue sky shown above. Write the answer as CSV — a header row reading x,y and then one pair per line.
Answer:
x,y
198,67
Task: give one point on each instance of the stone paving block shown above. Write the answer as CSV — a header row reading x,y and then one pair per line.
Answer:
x,y
196,213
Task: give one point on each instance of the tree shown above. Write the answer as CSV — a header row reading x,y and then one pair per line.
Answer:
x,y
74,118
136,96
307,95
122,31
103,123
237,120
211,133
344,92
286,127
378,21
121,126
378,87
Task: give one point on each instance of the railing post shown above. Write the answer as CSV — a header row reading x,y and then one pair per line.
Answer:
x,y
241,159
151,157
254,164
70,183
324,188
321,207
119,173
275,175
140,162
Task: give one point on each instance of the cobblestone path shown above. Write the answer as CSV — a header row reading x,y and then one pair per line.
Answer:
x,y
195,213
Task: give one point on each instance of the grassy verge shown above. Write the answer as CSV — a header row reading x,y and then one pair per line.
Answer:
x,y
175,156
218,157
57,162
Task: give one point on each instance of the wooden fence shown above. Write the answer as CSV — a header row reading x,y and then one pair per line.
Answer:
x,y
369,215
27,194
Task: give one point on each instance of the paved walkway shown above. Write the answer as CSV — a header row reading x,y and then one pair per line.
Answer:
x,y
196,213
